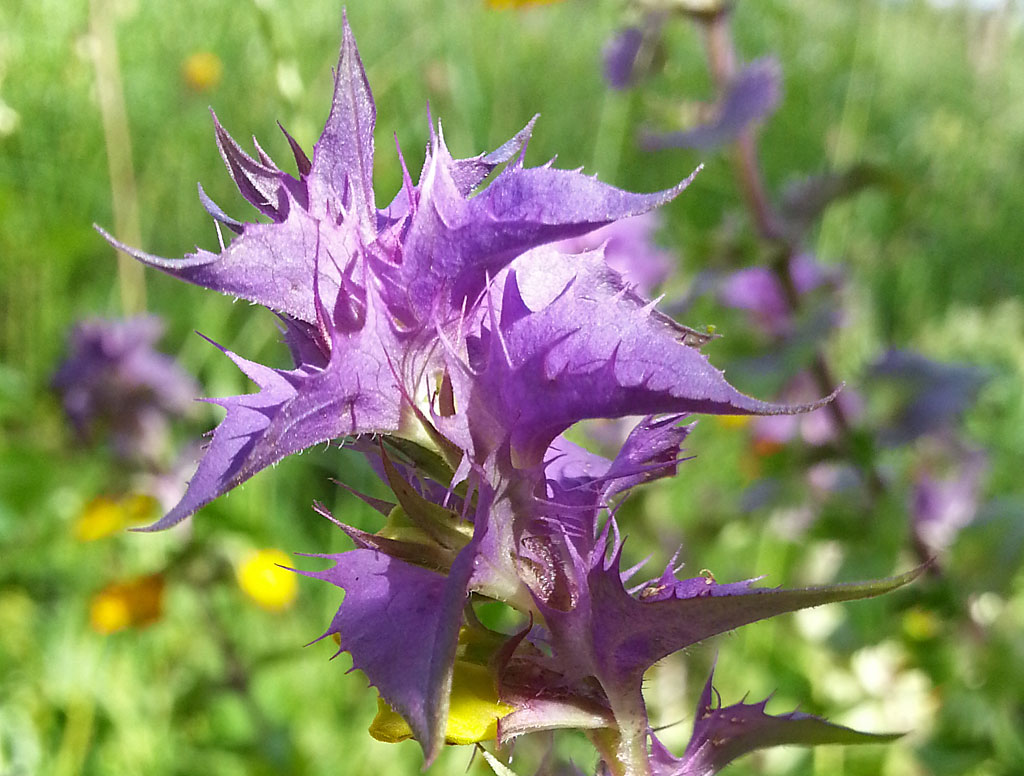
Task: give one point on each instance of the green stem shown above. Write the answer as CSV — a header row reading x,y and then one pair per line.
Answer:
x,y
612,128
631,753
77,738
606,742
130,274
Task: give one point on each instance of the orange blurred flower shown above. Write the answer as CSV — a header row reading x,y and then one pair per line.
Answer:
x,y
132,604
202,70
763,448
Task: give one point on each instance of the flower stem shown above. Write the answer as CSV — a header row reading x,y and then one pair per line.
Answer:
x,y
117,137
631,755
721,55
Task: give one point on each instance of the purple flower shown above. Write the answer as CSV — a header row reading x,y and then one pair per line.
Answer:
x,y
114,381
927,399
752,96
585,667
377,302
758,291
945,500
723,733
448,329
620,54
931,395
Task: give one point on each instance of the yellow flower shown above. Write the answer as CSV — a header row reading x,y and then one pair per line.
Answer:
x,y
202,71
920,624
105,515
135,603
473,713
501,4
262,579
733,421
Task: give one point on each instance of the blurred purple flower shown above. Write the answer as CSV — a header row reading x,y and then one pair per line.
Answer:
x,y
753,95
114,381
830,477
620,54
942,504
632,52
814,428
759,291
932,395
629,249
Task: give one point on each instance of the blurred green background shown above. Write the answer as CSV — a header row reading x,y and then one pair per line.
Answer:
x,y
218,684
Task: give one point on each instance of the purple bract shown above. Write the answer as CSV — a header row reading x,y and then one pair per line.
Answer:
x,y
449,339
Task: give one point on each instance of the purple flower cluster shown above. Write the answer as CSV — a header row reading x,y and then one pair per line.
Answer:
x,y
115,383
931,398
449,337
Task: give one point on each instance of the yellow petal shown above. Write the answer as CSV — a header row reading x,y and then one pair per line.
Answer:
x,y
473,712
388,726
475,709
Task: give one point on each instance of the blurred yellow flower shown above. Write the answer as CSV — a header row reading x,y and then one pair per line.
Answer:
x,y
518,3
262,579
733,421
473,713
135,603
920,624
106,515
202,70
